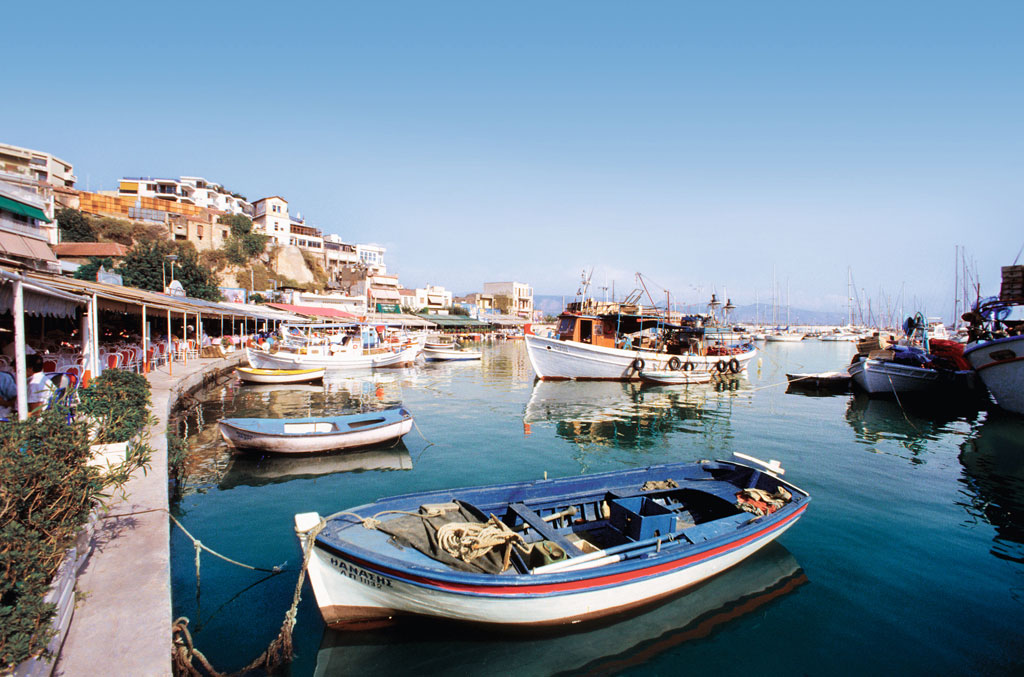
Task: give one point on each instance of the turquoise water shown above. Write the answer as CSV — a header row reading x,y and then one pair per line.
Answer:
x,y
909,560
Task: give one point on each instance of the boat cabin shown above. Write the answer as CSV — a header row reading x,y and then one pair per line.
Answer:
x,y
632,332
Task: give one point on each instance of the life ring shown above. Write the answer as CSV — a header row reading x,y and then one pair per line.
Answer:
x,y
674,364
688,366
639,364
720,367
734,366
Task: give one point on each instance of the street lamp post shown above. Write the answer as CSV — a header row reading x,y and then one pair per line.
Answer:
x,y
172,258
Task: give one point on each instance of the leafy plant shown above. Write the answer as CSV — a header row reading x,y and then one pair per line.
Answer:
x,y
118,402
143,267
87,271
74,226
48,494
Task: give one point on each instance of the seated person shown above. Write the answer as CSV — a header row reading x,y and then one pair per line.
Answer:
x,y
8,395
40,387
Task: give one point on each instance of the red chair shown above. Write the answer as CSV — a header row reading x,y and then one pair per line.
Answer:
x,y
49,365
113,361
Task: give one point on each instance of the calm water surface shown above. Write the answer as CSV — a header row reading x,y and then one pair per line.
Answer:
x,y
910,559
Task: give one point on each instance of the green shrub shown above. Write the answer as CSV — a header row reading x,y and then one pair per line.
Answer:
x,y
47,494
118,402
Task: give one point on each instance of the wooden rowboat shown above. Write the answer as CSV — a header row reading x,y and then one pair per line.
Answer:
x,y
675,378
315,435
832,381
449,354
250,375
554,552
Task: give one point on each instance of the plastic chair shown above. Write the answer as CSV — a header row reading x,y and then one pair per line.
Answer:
x,y
49,365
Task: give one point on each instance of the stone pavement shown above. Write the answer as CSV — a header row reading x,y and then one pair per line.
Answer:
x,y
122,621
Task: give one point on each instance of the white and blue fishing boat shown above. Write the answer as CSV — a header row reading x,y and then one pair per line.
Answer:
x,y
315,435
547,552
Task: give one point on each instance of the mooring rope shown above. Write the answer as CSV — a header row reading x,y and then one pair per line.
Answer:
x,y
199,545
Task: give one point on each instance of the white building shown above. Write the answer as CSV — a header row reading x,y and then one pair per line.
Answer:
x,y
512,298
270,217
433,298
192,190
36,165
372,256
23,239
303,236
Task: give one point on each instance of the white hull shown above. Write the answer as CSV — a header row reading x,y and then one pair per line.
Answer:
x,y
250,377
675,378
312,444
450,355
345,591
784,338
555,359
342,360
1000,366
883,377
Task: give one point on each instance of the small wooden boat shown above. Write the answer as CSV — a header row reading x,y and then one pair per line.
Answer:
x,y
832,381
250,375
314,435
675,378
546,552
449,353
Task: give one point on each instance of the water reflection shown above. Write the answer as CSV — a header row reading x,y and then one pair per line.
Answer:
x,y
993,462
432,647
255,471
911,426
626,414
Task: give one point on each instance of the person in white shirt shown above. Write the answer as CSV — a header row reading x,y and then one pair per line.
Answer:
x,y
40,387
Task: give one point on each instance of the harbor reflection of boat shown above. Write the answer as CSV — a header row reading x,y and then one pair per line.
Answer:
x,y
624,414
994,475
257,471
418,647
910,424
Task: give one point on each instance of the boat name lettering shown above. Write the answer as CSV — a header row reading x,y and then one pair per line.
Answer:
x,y
362,575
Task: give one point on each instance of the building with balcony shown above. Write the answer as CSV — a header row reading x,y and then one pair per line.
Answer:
x,y
23,240
36,165
190,190
304,236
372,256
433,299
511,298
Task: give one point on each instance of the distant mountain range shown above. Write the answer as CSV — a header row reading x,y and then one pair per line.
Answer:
x,y
553,305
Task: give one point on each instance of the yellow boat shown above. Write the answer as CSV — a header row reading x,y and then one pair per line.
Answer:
x,y
250,375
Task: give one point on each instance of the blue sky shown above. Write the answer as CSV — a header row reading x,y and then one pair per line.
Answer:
x,y
702,144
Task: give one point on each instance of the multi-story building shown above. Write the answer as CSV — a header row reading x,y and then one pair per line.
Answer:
x,y
23,241
381,291
191,190
36,165
338,254
270,217
303,236
511,298
372,256
433,298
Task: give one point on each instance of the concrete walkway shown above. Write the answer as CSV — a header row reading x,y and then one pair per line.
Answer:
x,y
122,622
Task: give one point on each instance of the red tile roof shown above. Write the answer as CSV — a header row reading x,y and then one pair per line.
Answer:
x,y
99,249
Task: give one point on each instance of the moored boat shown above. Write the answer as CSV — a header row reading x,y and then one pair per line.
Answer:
x,y
318,434
832,381
549,552
675,378
615,342
449,354
337,346
271,376
996,347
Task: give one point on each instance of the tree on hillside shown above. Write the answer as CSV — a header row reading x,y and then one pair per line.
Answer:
x,y
74,226
243,245
144,265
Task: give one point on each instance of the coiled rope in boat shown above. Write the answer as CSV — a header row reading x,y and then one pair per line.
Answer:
x,y
469,540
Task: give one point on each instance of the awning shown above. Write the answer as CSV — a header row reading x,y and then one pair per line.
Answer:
x,y
39,299
439,300
385,294
25,247
313,311
23,209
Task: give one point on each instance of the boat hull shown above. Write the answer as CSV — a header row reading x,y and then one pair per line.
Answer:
x,y
359,577
675,378
292,360
1000,366
556,359
253,440
883,377
273,376
450,355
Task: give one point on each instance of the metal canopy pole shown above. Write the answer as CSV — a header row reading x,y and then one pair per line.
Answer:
x,y
145,343
170,346
19,350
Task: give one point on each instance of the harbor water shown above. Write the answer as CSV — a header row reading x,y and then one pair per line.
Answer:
x,y
910,559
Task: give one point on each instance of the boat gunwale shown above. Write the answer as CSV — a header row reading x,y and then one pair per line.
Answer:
x,y
440,575
400,415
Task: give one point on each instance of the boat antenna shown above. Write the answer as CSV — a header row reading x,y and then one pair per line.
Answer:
x,y
1017,257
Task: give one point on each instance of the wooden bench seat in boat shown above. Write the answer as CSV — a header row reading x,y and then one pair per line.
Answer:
x,y
535,522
